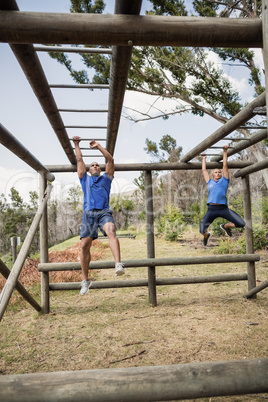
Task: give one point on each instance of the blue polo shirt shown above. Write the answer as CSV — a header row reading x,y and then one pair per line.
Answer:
x,y
96,191
217,191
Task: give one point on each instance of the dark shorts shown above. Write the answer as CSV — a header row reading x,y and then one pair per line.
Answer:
x,y
93,220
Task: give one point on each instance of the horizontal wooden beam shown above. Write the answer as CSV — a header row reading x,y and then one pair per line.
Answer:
x,y
94,127
80,86
72,49
151,262
231,125
90,139
243,144
34,72
129,30
252,169
133,283
84,110
10,142
124,167
134,384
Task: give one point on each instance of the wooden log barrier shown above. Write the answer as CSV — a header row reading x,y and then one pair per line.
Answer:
x,y
215,259
144,282
17,267
257,289
159,383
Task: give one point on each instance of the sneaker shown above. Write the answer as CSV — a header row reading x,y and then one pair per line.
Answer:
x,y
226,230
205,241
119,269
85,285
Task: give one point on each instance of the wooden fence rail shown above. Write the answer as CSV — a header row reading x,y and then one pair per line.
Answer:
x,y
144,282
151,262
159,383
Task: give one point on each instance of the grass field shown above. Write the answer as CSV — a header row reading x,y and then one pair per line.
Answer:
x,y
110,328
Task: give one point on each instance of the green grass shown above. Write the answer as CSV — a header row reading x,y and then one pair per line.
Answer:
x,y
66,244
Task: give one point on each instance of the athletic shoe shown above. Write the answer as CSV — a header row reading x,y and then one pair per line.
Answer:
x,y
119,269
85,285
226,230
205,241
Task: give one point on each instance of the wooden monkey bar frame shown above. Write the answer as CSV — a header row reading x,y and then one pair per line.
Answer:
x,y
121,31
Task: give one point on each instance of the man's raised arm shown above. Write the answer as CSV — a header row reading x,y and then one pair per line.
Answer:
x,y
109,169
81,167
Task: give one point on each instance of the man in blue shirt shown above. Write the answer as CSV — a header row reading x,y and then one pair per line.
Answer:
x,y
97,213
217,200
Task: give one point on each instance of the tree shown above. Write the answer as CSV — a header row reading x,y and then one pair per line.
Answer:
x,y
187,75
123,205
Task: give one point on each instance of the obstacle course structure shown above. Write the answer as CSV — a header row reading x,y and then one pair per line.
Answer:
x,y
123,30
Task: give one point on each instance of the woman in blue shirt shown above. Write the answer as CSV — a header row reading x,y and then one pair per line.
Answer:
x,y
217,200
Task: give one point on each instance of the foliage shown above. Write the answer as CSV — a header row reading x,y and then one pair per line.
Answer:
x,y
16,218
238,246
140,181
75,198
123,205
185,74
236,204
168,145
171,153
191,77
170,224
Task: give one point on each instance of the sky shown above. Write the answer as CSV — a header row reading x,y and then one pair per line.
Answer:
x,y
22,115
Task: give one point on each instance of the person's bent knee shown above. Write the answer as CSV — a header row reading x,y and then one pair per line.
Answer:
x,y
109,229
202,229
86,243
240,225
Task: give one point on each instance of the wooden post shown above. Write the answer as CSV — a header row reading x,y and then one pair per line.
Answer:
x,y
14,248
44,249
149,207
14,274
249,233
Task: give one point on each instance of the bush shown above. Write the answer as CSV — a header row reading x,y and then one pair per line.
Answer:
x,y
170,224
229,246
